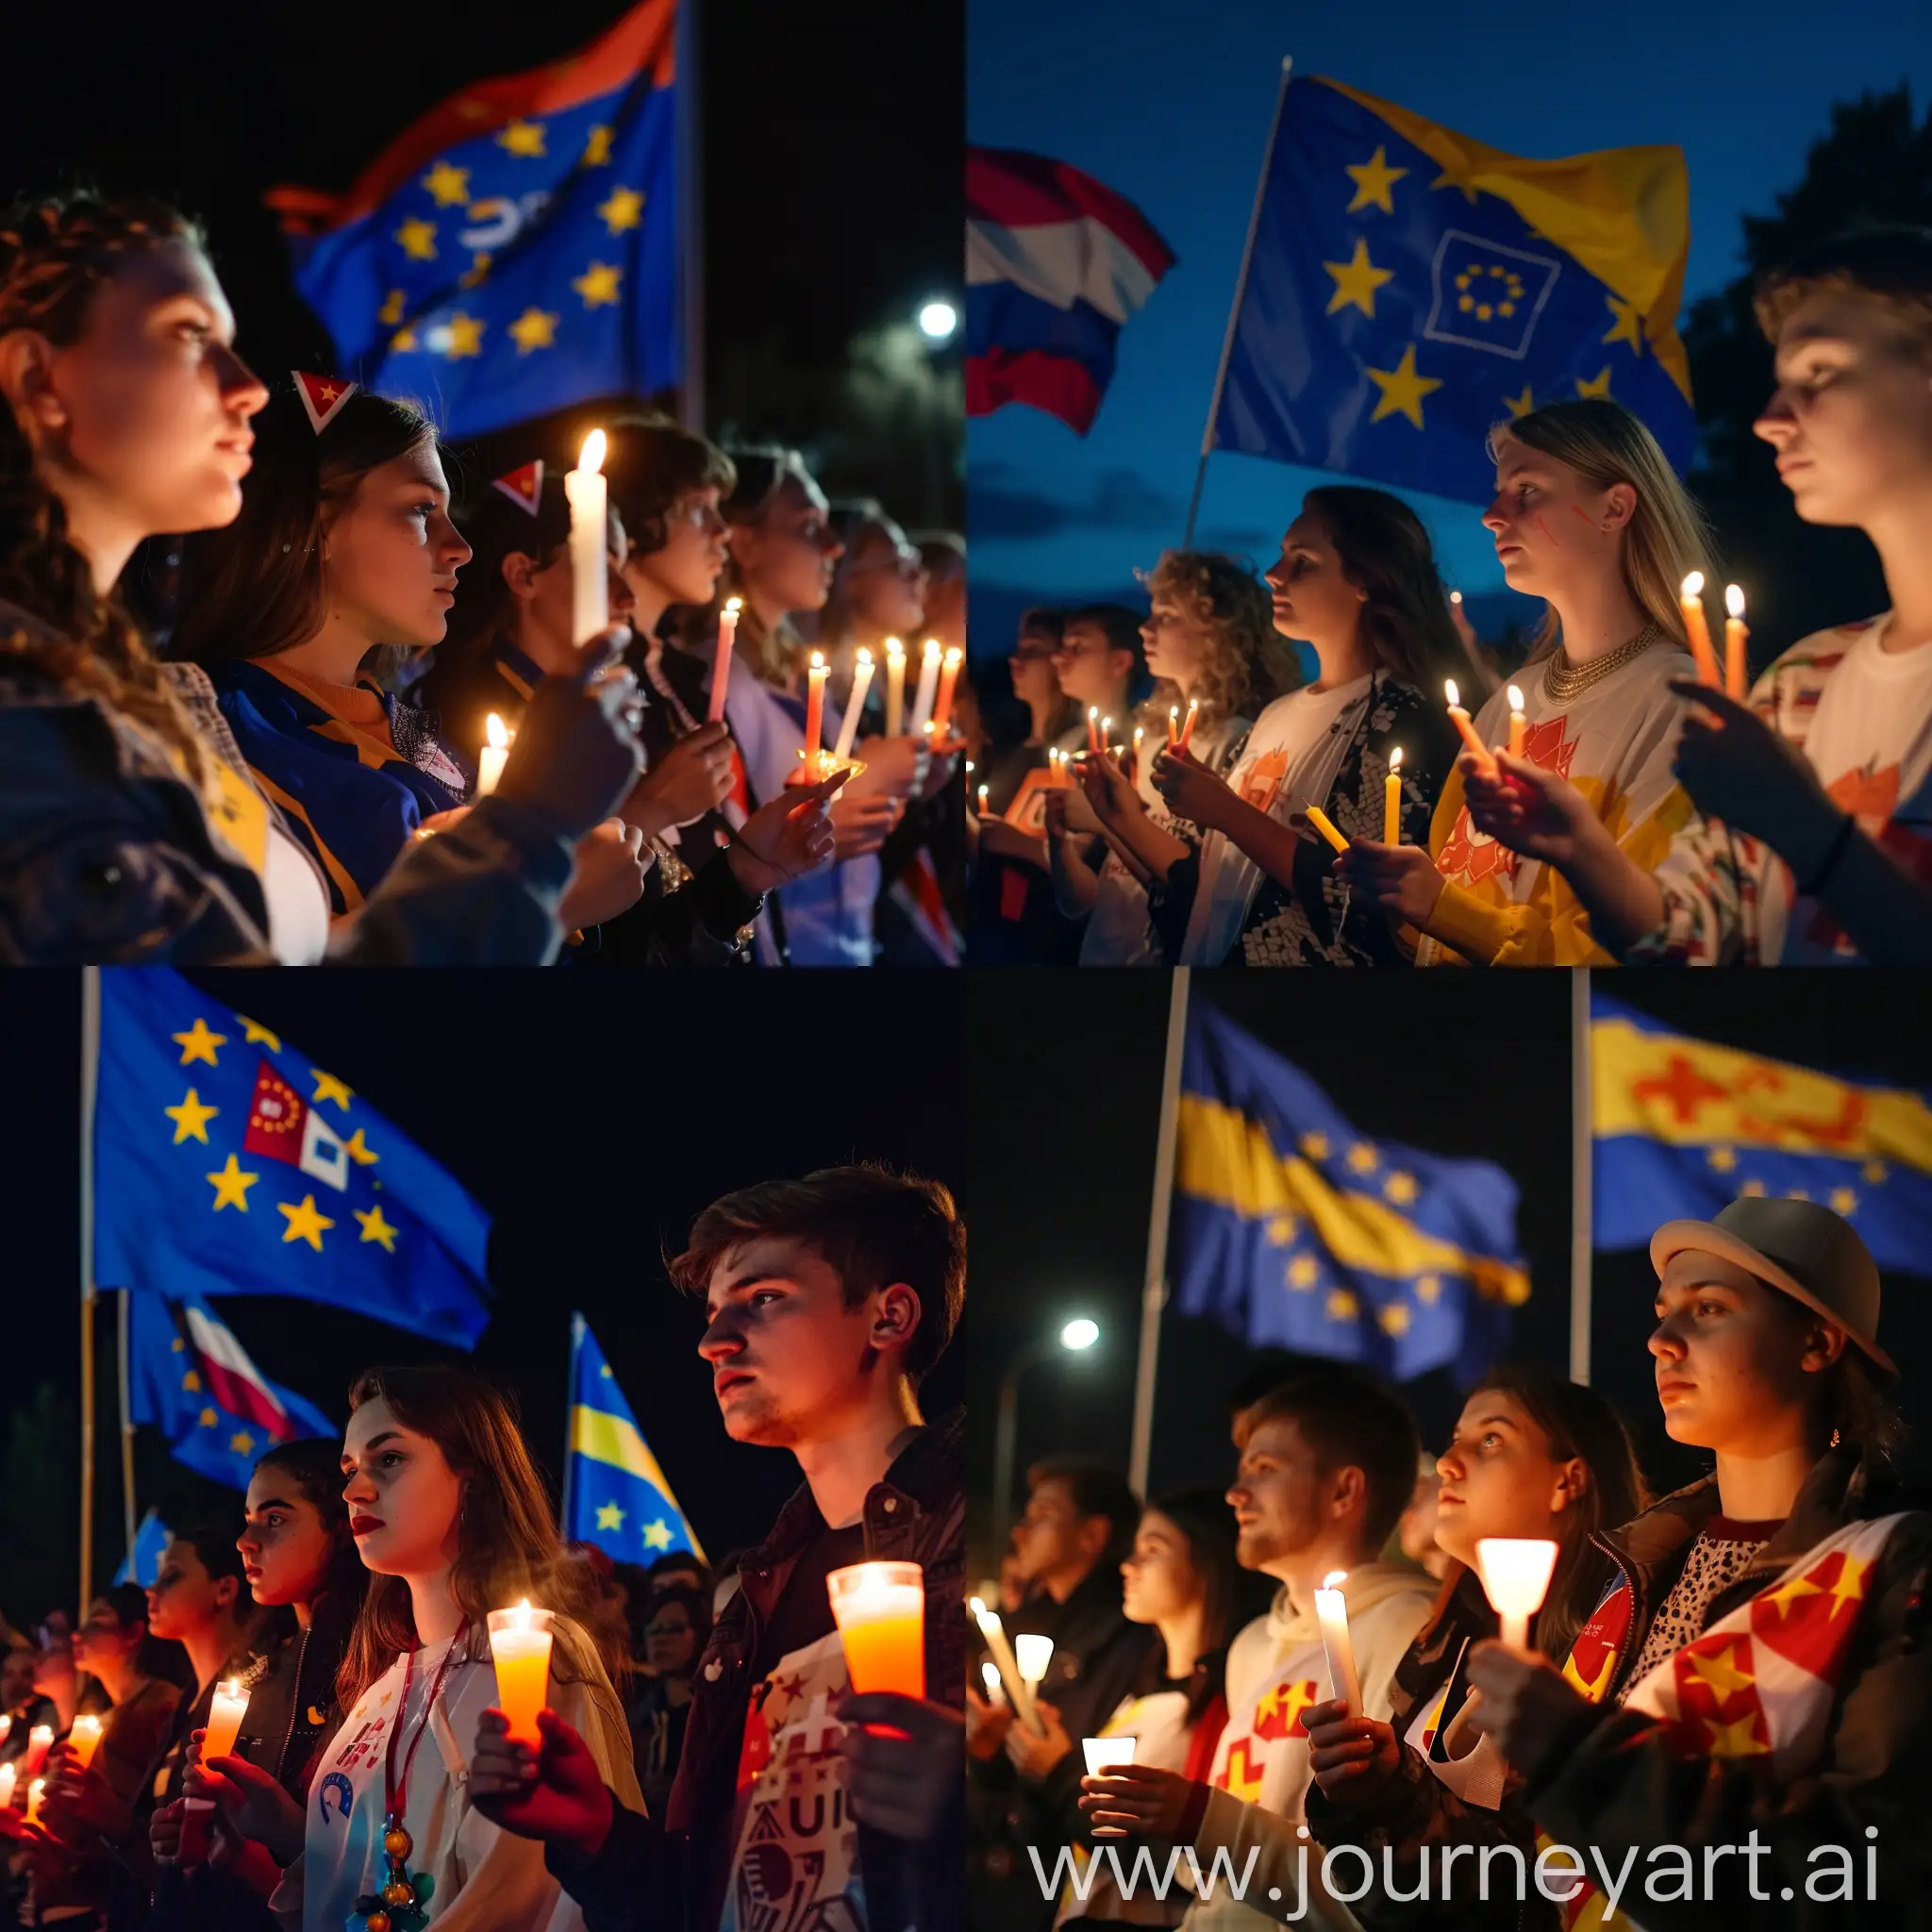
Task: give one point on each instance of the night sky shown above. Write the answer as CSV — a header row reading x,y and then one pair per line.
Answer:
x,y
1175,118
1458,1063
594,1114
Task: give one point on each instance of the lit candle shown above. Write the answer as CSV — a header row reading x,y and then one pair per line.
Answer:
x,y
39,1741
1188,722
226,1710
1092,727
1331,1612
720,657
1519,724
1392,800
35,1792
949,677
520,1649
589,541
928,683
1173,725
1737,671
1325,826
84,1739
1460,718
5,1726
989,1676
880,1611
848,726
1035,1654
496,748
1516,1575
895,686
1105,734
993,1631
7,1776
815,715
984,790
1101,1755
1691,602
1138,733
1455,596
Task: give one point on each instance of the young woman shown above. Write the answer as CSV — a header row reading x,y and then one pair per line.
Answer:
x,y
128,414
1356,583
450,1517
674,1639
1212,653
878,592
1589,516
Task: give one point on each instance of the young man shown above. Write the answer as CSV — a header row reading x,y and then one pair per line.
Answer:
x,y
1815,846
1327,1465
827,1300
1760,1663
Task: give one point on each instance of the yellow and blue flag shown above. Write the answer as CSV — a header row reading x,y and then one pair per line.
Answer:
x,y
517,249
142,1562
614,1494
1409,287
1682,1127
1295,1231
226,1162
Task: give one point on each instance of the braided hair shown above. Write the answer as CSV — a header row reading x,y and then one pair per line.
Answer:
x,y
56,252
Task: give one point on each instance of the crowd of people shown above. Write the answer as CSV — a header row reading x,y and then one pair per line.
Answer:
x,y
1173,790
704,1765
1719,1707
250,650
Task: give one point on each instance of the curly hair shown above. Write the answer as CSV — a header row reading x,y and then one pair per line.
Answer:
x,y
1889,264
1245,663
57,252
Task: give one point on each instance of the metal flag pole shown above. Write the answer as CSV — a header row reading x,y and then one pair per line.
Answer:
x,y
691,210
90,1058
1241,290
570,1420
1582,1156
1154,1286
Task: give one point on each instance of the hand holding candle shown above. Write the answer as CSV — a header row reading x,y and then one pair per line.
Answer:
x,y
855,705
9,1773
1392,800
1737,667
498,739
993,1631
1519,724
1460,718
1325,826
721,658
814,716
520,1648
1331,1612
590,542
880,1611
1516,1577
1691,602
1101,1755
84,1739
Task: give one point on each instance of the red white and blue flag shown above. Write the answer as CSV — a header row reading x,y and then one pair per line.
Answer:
x,y
1055,262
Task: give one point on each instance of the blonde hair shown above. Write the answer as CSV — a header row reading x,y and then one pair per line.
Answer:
x,y
1244,663
1667,537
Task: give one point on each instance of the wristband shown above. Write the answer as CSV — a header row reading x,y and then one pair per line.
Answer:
x,y
1833,853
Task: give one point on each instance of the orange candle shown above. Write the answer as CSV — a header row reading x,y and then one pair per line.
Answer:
x,y
1460,718
1173,725
1737,668
721,658
7,1773
1187,727
1392,800
1519,724
35,1792
226,1710
949,677
815,713
84,1739
1691,602
1094,728
520,1648
880,1611
1325,826
39,1741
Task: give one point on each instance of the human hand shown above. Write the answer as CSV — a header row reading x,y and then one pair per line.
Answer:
x,y
1106,789
862,820
554,1791
442,820
575,758
1034,1753
906,1784
1191,791
1527,1705
895,766
691,778
789,837
1351,1757
252,1804
608,876
1136,1801
1401,879
1526,808
987,1725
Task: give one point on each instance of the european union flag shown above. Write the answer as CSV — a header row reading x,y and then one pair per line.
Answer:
x,y
1297,1232
1682,1127
229,1163
1408,287
517,249
189,1377
614,1494
142,1562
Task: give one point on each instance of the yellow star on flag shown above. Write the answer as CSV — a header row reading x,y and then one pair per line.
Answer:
x,y
1721,1671
533,328
1340,1306
1394,1319
1850,1587
523,138
1754,1189
1372,179
241,1443
1843,1200
465,336
208,1417
1628,326
1797,1194
1357,281
1520,405
1281,1229
404,342
304,1223
1739,1740
417,238
609,1516
254,1034
1315,1147
391,310
358,1150
1598,385
449,185
1361,1158
623,210
1721,1158
597,284
329,1088
1873,1171
1786,1594
190,1119
1303,1272
657,1535
1403,388
198,1044
375,1228
1458,175
1429,1289
597,149
232,1186
1401,1189
191,1382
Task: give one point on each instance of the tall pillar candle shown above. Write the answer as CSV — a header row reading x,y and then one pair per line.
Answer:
x,y
895,687
848,726
815,715
1737,667
226,1710
1001,1650
1460,718
949,678
721,658
1392,800
928,686
588,494
1331,1613
39,1741
1691,602
84,1739
1518,722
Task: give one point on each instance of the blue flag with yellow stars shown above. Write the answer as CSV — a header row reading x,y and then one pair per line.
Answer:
x,y
1409,288
1295,1231
1681,1128
517,249
142,1562
614,1494
188,1376
226,1162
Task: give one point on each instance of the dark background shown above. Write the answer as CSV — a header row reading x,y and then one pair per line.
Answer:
x,y
1458,1063
831,181
594,1115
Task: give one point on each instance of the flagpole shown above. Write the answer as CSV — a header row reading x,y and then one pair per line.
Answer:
x,y
1154,1287
1582,1154
570,1397
1241,290
691,218
90,1057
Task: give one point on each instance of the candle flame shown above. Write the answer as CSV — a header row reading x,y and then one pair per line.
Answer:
x,y
1734,599
591,458
1334,1579
894,648
523,1614
865,655
1515,697
932,645
498,737
1451,692
1174,711
977,1606
1395,758
1455,596
1106,725
954,654
230,1686
1692,584
734,605
818,660
1093,714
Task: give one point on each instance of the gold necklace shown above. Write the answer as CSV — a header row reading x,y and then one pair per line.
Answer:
x,y
1563,680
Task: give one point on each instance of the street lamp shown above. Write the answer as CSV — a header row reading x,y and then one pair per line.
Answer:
x,y
938,321
1076,1337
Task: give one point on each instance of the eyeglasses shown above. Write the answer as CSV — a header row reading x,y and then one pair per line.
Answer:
x,y
815,533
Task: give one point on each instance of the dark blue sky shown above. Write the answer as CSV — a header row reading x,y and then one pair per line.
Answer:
x,y
1171,107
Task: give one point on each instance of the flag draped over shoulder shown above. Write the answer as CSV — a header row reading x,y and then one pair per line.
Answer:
x,y
517,249
617,1496
1682,1127
1295,1231
1410,287
226,1162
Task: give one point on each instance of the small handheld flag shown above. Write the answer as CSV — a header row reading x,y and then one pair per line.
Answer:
x,y
322,396
524,486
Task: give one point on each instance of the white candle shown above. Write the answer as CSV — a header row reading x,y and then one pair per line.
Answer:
x,y
39,1741
489,766
1516,1572
226,1710
895,687
1101,1755
1331,1612
589,541
1035,1654
1017,1687
5,1726
84,1739
721,661
848,726
989,1675
7,1776
929,685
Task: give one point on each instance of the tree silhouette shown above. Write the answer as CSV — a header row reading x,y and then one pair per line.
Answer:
x,y
1873,166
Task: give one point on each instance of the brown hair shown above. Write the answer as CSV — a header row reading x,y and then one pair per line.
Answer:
x,y
1245,663
652,461
495,526
1891,266
1350,1419
871,1225
507,1541
763,475
257,588
57,253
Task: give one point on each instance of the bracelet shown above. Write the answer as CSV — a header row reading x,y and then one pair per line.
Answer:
x,y
1834,851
